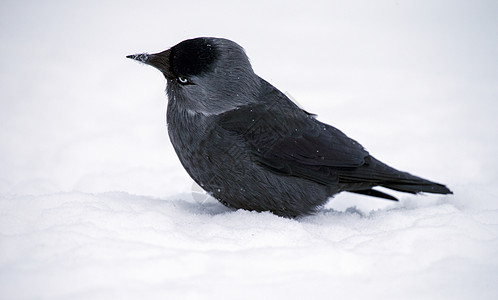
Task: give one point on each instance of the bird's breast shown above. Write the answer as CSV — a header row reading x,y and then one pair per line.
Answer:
x,y
196,143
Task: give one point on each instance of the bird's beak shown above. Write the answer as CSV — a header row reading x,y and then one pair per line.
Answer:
x,y
159,60
142,57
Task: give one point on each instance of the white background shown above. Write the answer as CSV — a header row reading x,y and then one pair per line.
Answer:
x,y
94,202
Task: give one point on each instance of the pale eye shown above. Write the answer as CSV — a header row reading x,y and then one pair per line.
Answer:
x,y
182,80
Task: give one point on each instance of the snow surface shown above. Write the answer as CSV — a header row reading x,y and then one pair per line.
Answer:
x,y
94,203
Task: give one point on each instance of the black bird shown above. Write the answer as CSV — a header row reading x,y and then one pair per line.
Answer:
x,y
250,147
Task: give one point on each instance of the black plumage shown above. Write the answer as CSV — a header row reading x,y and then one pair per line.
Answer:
x,y
248,145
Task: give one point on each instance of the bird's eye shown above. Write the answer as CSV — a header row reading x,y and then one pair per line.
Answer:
x,y
182,80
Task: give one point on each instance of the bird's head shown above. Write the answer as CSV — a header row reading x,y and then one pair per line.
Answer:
x,y
205,75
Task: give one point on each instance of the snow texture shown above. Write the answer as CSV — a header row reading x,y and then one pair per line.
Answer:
x,y
94,203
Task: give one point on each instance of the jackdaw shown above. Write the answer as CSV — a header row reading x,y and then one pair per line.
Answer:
x,y
250,147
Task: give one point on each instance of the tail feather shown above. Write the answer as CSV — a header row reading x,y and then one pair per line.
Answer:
x,y
375,193
376,173
418,187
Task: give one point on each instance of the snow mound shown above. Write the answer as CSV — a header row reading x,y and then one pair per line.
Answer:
x,y
99,246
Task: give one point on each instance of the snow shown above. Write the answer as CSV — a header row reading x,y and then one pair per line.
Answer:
x,y
94,203
78,245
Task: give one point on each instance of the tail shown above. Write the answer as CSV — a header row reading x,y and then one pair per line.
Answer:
x,y
419,186
380,174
